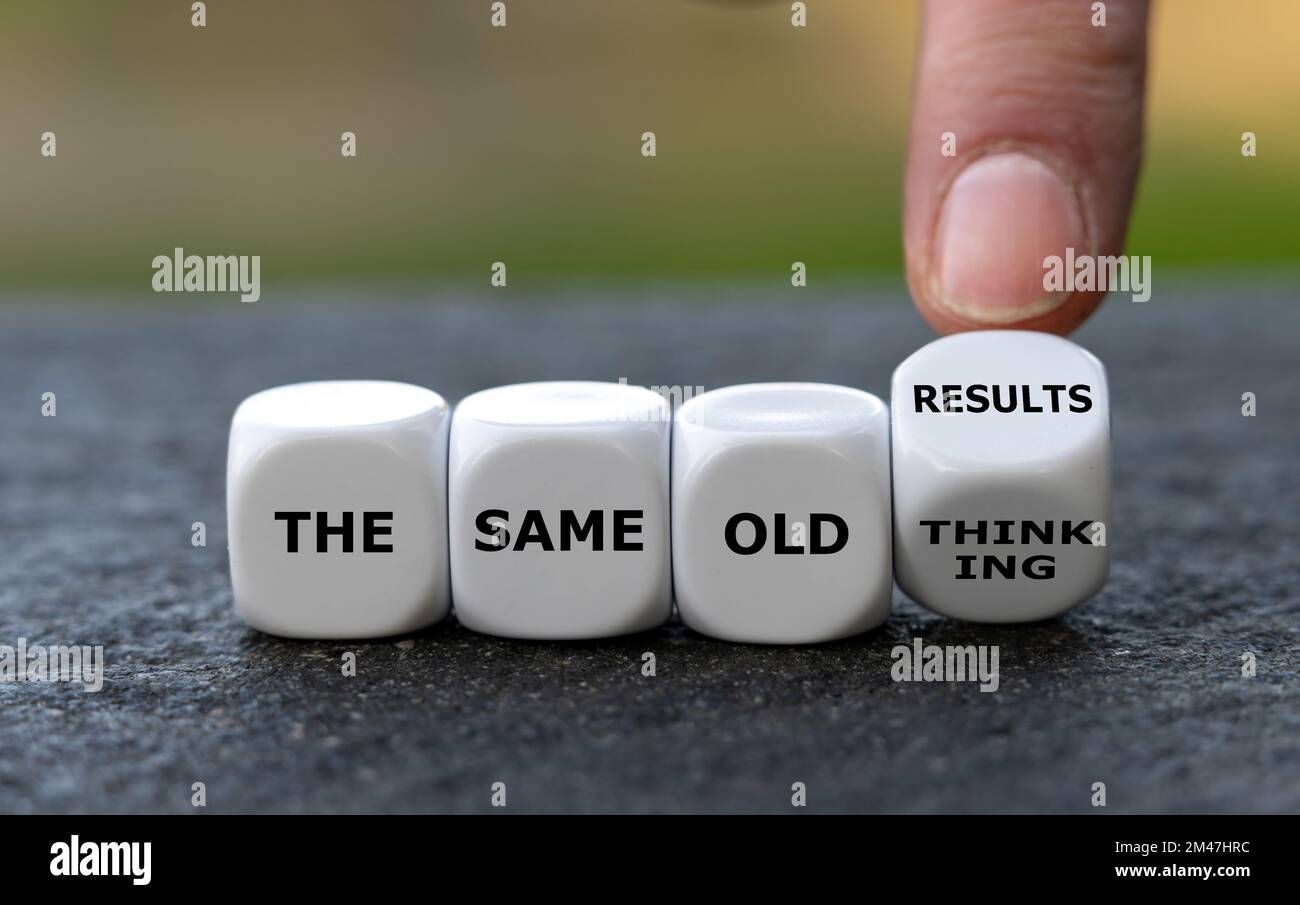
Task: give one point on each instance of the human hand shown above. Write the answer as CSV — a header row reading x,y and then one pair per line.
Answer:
x,y
1046,113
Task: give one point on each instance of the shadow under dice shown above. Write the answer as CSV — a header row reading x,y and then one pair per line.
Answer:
x,y
559,510
781,516
1002,476
337,509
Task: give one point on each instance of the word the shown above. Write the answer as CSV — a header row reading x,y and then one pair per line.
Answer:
x,y
216,273
814,545
952,663
494,525
370,529
982,398
103,859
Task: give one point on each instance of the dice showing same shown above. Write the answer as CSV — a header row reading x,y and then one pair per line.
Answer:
x,y
574,510
559,497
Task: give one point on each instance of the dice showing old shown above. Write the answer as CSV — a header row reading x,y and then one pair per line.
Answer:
x,y
336,509
781,521
559,510
1002,476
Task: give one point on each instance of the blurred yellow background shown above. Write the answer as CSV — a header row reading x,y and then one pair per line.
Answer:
x,y
522,144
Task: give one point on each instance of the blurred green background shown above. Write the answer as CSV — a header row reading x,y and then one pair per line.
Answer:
x,y
522,144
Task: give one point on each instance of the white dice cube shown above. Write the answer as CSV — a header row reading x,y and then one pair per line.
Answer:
x,y
336,509
1002,476
781,520
559,510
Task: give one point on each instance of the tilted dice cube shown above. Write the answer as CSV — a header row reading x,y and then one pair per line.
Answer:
x,y
336,509
559,510
781,519
1002,476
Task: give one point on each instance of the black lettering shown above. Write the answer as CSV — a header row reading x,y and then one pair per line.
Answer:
x,y
966,570
925,396
1055,389
323,532
1069,535
934,527
1079,393
485,527
1047,571
533,531
1006,570
1043,531
977,398
817,519
951,393
594,526
369,530
1008,405
781,545
293,518
622,529
760,533
980,531
1028,405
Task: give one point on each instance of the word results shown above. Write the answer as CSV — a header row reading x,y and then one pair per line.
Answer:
x,y
75,858
978,398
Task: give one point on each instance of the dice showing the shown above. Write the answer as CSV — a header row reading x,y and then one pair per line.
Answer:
x,y
781,523
1002,468
559,510
336,509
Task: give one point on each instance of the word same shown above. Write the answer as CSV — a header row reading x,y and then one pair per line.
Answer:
x,y
494,524
980,397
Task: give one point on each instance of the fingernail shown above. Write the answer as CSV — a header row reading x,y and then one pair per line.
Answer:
x,y
1003,216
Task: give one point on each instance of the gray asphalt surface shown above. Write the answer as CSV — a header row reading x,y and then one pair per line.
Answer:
x,y
1140,689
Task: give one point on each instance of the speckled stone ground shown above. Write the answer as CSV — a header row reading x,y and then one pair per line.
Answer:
x,y
1140,689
